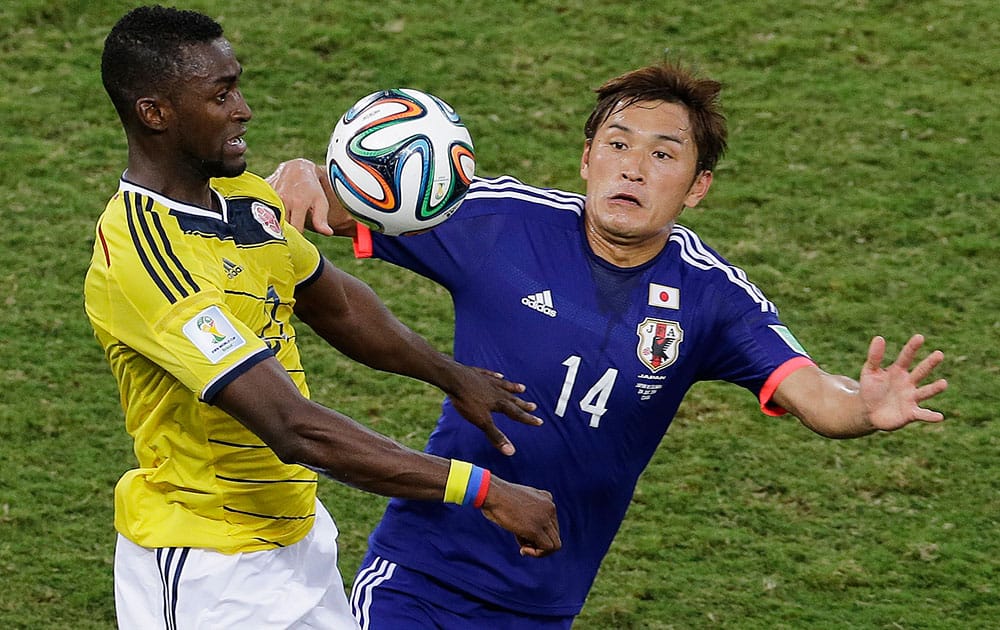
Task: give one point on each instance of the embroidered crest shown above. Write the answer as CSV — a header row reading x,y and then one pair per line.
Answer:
x,y
267,219
659,342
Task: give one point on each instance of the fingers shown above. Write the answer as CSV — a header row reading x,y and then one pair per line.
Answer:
x,y
547,544
876,352
514,407
929,415
909,352
498,439
510,386
320,220
925,367
520,411
931,390
534,552
302,193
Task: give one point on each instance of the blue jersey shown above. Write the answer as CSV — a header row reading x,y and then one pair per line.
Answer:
x,y
607,353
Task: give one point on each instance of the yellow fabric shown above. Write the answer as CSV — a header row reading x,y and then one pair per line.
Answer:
x,y
183,300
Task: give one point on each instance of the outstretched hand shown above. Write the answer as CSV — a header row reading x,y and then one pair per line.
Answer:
x,y
892,396
484,391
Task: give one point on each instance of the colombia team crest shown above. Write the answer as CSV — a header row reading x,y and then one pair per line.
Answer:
x,y
267,219
659,342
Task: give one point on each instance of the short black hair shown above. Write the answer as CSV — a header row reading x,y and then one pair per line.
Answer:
x,y
145,49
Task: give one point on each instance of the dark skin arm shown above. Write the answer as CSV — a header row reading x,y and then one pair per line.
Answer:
x,y
300,431
350,317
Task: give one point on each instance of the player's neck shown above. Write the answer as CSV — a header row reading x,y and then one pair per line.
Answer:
x,y
622,251
186,187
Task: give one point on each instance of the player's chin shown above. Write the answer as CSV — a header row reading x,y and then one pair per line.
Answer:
x,y
232,167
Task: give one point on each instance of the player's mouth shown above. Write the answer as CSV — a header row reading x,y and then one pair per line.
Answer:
x,y
625,199
237,143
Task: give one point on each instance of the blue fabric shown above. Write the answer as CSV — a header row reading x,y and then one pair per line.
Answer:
x,y
607,353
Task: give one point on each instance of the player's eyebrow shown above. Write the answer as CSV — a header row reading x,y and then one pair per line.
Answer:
x,y
660,136
228,79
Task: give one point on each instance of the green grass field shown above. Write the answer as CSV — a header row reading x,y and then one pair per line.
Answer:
x,y
860,192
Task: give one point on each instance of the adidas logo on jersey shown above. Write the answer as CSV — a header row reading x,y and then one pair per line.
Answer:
x,y
541,302
232,269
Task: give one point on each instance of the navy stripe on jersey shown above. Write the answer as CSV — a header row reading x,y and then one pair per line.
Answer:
x,y
169,250
143,218
235,480
695,253
509,188
153,258
141,251
272,517
170,564
235,445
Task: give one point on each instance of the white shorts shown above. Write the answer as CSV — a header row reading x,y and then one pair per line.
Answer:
x,y
298,586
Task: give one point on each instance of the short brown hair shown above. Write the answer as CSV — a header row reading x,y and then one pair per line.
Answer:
x,y
670,83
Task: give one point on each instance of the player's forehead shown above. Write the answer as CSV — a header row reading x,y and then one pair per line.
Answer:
x,y
210,62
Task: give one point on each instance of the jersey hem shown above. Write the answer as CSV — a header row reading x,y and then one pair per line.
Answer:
x,y
471,590
213,390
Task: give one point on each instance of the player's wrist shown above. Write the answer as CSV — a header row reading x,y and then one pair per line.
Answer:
x,y
467,484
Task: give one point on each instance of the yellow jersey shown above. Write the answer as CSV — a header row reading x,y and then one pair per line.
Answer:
x,y
183,300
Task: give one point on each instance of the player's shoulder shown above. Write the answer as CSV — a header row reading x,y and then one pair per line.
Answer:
x,y
506,194
706,268
693,252
247,184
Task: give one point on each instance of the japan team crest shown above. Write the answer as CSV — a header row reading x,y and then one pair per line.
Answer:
x,y
659,342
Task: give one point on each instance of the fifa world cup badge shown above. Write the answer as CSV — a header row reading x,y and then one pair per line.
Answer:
x,y
659,342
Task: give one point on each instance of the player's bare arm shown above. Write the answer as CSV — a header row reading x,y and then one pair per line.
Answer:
x,y
882,399
347,314
300,431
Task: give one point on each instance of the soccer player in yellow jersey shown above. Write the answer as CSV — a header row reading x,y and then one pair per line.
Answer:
x,y
191,291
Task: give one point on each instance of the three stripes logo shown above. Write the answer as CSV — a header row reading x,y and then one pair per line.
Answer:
x,y
541,302
232,269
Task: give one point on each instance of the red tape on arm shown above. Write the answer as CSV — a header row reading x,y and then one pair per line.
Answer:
x,y
772,382
363,242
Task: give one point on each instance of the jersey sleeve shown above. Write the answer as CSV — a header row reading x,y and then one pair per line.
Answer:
x,y
449,254
159,298
305,256
755,349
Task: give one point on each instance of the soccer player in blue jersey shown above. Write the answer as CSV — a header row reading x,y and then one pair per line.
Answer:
x,y
609,311
192,286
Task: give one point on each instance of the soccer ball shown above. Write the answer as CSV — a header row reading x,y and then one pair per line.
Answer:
x,y
400,161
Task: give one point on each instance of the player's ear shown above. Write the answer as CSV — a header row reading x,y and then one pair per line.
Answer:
x,y
699,188
151,112
585,158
